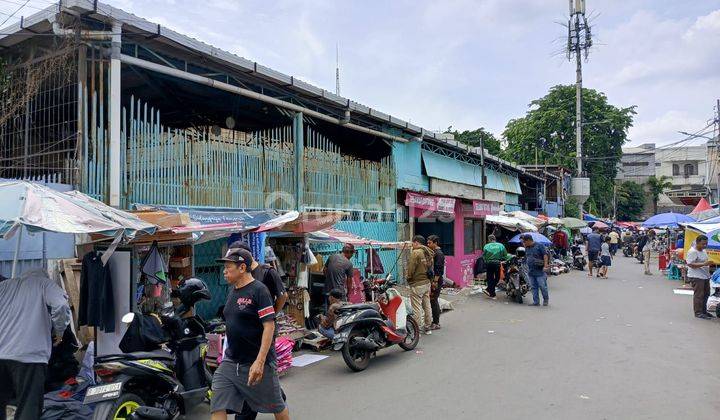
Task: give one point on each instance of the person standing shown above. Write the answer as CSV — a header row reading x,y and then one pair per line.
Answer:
x,y
605,257
614,242
699,275
339,271
433,242
494,254
537,261
34,313
419,266
593,243
645,246
248,371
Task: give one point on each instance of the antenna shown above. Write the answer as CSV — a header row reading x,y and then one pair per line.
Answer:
x,y
337,69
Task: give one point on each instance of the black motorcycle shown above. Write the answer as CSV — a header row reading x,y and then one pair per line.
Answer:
x,y
363,329
579,262
516,285
156,383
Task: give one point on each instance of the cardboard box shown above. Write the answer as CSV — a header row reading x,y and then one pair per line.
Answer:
x,y
164,219
180,262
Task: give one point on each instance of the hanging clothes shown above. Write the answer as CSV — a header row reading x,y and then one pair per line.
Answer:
x,y
97,306
377,265
153,266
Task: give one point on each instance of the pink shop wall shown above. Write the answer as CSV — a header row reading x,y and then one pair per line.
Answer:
x,y
459,268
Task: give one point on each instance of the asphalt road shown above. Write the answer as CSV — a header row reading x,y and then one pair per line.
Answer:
x,y
621,348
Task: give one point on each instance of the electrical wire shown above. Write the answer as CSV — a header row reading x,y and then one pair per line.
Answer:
x,y
13,13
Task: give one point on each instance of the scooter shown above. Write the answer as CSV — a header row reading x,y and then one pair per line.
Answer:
x,y
579,262
628,248
160,384
363,329
516,285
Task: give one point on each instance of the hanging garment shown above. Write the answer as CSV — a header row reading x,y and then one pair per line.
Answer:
x,y
153,266
377,265
97,306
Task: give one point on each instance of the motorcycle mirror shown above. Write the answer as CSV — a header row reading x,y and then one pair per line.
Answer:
x,y
128,318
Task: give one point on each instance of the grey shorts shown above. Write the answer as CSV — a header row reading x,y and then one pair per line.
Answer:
x,y
230,389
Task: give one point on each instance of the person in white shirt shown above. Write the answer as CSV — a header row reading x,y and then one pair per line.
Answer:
x,y
698,274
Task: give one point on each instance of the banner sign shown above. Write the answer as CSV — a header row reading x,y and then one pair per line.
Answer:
x,y
485,208
429,203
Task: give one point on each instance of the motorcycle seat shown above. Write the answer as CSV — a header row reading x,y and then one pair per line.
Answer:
x,y
137,355
357,307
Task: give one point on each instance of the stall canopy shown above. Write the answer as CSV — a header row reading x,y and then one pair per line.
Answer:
x,y
511,223
535,221
702,206
667,220
712,231
337,235
600,225
39,208
573,223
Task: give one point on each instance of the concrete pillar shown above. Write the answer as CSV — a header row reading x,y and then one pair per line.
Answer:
x,y
114,117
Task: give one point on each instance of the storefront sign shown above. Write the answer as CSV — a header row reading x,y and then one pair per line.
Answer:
x,y
429,203
485,208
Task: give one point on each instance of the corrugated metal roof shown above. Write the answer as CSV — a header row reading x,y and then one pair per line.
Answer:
x,y
448,169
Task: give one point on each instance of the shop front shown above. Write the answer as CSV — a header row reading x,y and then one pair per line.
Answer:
x,y
458,223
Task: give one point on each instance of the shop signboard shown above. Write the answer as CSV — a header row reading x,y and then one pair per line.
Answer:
x,y
427,204
483,208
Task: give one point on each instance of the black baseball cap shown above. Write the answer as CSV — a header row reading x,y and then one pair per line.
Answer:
x,y
237,255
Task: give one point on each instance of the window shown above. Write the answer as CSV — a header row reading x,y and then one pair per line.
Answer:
x,y
636,164
473,235
689,169
676,169
444,229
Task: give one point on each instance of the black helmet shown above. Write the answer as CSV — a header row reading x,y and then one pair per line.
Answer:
x,y
190,292
520,251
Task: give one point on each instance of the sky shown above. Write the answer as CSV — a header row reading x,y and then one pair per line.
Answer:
x,y
468,63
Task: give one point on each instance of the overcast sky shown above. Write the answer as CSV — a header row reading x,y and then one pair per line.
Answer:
x,y
469,63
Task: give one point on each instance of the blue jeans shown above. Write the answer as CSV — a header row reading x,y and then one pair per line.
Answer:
x,y
327,332
538,281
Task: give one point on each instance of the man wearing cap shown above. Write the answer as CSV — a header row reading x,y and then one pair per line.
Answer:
x,y
248,371
267,275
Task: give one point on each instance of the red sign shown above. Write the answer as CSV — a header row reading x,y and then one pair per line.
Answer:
x,y
485,208
429,203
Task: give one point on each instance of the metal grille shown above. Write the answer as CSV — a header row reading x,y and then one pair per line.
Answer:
x,y
39,140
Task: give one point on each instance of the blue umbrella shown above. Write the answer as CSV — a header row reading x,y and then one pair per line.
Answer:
x,y
536,237
667,220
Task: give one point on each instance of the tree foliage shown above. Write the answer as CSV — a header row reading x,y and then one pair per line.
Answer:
x,y
473,138
656,186
630,201
549,128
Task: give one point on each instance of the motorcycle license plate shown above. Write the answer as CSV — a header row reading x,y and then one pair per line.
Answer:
x,y
103,392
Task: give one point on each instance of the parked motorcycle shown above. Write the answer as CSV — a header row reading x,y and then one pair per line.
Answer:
x,y
362,329
157,384
516,285
579,262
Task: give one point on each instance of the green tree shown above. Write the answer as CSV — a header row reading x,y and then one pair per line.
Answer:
x,y
656,186
473,138
630,201
548,129
572,208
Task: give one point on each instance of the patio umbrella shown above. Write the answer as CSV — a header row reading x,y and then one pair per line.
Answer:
x,y
600,225
536,237
585,230
573,222
667,220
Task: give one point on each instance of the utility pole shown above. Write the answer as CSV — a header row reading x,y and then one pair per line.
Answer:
x,y
579,43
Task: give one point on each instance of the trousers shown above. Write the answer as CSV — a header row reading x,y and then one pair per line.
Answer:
x,y
22,384
420,300
701,293
493,276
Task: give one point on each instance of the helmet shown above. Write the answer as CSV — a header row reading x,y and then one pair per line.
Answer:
x,y
520,251
190,292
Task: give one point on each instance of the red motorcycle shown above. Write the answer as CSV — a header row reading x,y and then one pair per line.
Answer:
x,y
362,329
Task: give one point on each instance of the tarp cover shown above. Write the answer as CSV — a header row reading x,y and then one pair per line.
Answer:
x,y
512,223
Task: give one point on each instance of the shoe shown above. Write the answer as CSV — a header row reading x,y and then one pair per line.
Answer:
x,y
647,273
703,316
545,303
534,304
428,331
486,293
709,314
435,326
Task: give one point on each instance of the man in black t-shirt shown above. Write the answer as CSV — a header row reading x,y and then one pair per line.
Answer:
x,y
248,371
267,275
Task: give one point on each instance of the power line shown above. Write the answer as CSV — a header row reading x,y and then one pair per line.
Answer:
x,y
13,13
